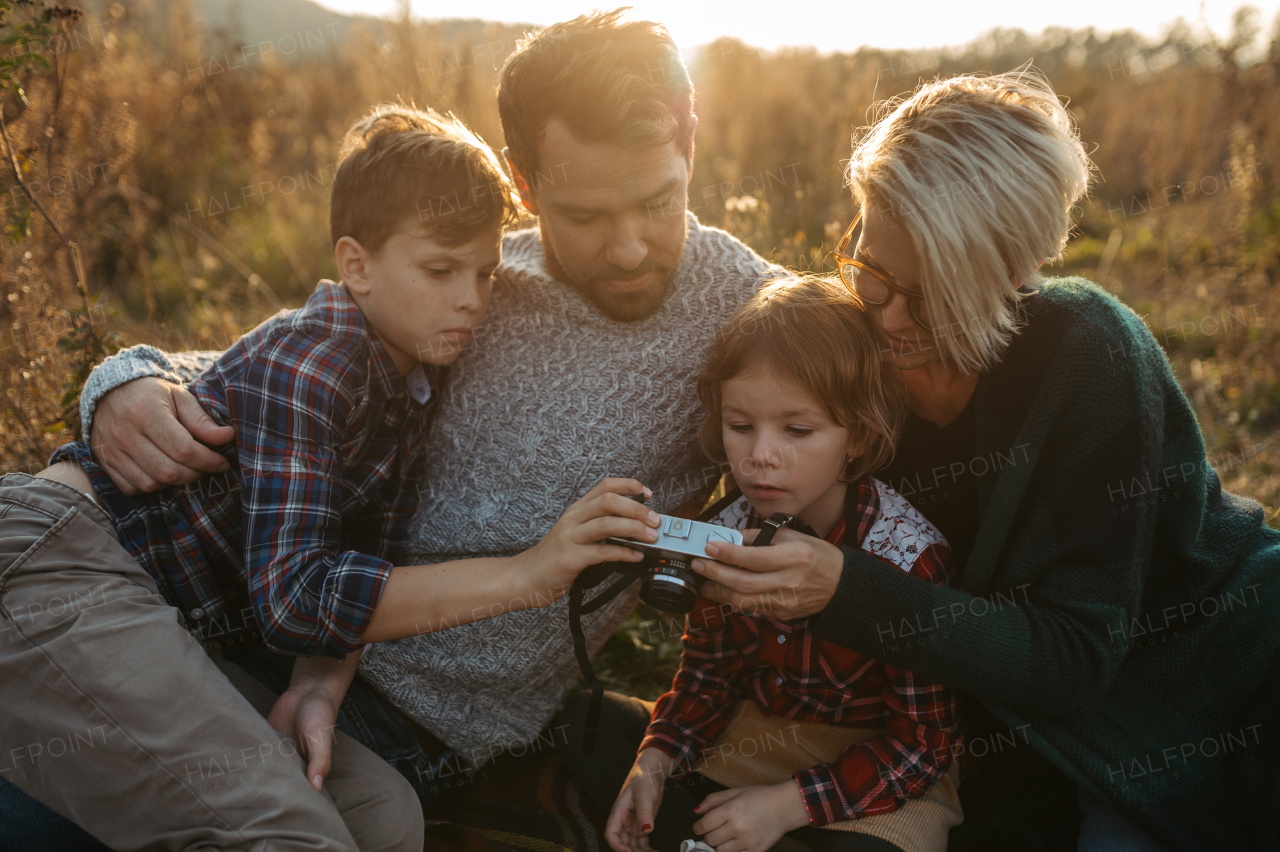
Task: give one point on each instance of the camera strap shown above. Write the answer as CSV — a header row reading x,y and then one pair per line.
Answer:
x,y
595,575
769,528
577,609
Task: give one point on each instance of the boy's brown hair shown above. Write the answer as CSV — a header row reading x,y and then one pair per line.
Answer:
x,y
810,332
609,80
400,166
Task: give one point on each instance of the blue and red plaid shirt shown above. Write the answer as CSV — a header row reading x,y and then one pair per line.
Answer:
x,y
292,545
731,655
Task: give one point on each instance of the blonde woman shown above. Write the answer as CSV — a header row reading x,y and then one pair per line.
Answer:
x,y
1116,617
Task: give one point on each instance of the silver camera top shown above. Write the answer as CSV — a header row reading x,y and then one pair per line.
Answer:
x,y
681,537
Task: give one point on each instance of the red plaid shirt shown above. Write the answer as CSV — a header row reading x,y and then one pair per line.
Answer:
x,y
730,655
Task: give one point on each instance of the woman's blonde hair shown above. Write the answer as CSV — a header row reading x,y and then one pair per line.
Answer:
x,y
983,172
809,331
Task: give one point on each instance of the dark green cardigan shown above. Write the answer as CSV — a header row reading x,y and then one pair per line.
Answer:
x,y
1116,601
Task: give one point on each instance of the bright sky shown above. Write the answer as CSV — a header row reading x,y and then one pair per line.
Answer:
x,y
850,24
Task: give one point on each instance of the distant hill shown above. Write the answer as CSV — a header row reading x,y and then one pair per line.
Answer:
x,y
255,21
271,20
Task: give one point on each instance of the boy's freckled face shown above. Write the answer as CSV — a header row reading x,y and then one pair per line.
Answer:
x,y
424,298
786,452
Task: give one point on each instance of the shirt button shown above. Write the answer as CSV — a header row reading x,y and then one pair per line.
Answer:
x,y
197,613
781,638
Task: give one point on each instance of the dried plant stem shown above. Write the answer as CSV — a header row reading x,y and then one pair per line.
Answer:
x,y
73,250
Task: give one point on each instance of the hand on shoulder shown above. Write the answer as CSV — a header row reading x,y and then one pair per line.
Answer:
x,y
151,433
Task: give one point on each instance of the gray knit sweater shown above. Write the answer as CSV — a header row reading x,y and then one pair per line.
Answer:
x,y
550,398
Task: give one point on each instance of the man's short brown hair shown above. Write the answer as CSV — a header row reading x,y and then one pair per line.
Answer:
x,y
810,332
609,80
401,166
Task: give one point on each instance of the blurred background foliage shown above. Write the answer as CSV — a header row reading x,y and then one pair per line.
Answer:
x,y
187,148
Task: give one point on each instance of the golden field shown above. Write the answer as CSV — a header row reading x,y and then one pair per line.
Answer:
x,y
191,168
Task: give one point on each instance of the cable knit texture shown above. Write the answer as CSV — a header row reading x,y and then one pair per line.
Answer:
x,y
137,362
550,398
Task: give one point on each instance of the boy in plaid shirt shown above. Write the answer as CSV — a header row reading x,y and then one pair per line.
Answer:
x,y
771,729
296,547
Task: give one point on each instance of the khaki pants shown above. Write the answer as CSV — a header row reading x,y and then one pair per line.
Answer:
x,y
114,716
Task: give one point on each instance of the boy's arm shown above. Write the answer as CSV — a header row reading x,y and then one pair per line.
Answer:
x,y
688,718
311,592
918,746
292,405
150,431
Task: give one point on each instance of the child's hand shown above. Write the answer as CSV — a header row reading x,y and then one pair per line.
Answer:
x,y
751,819
636,808
307,712
552,564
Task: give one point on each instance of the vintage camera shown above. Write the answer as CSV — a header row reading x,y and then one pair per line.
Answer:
x,y
668,583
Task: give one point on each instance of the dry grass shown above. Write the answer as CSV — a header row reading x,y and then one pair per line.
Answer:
x,y
198,190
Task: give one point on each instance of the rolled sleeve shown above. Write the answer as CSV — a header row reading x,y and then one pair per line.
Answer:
x,y
311,602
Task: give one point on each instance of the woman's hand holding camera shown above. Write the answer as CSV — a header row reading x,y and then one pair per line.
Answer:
x,y
551,565
795,577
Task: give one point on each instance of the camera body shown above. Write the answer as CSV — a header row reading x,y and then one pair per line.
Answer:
x,y
669,584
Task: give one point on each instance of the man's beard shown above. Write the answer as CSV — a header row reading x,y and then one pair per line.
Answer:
x,y
619,307
627,307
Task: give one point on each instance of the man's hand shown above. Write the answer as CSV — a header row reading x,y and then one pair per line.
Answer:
x,y
150,433
751,819
795,577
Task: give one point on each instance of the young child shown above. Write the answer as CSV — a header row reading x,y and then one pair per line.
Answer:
x,y
298,545
783,730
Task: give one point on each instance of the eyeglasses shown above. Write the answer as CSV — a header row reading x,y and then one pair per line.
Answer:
x,y
876,287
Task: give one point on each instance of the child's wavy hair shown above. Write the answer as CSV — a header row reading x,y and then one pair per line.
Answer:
x,y
811,332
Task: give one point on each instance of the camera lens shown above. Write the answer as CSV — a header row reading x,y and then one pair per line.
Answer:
x,y
671,587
